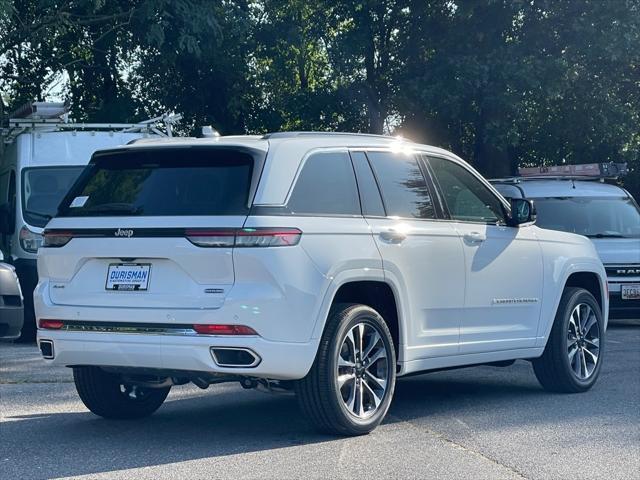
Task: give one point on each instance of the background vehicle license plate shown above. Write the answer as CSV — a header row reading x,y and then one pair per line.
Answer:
x,y
630,292
128,276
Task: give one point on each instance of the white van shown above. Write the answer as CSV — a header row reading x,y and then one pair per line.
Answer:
x,y
42,154
575,198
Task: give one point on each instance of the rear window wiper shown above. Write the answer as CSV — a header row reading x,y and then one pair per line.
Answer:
x,y
605,235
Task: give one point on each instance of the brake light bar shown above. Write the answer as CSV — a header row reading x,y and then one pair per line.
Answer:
x,y
202,237
245,237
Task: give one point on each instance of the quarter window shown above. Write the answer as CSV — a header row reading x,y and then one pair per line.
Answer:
x,y
369,194
326,186
404,188
466,197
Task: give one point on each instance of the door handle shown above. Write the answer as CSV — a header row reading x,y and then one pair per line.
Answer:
x,y
474,237
392,236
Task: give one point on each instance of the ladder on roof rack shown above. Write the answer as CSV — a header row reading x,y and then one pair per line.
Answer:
x,y
53,116
585,171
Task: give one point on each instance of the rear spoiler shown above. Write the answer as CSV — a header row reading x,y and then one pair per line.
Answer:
x,y
586,171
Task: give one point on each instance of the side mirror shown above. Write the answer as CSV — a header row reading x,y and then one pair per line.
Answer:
x,y
523,211
6,219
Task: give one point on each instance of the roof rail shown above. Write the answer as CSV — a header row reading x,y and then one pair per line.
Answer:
x,y
52,116
294,134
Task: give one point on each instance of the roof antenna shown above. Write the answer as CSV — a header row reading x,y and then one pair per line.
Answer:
x,y
209,132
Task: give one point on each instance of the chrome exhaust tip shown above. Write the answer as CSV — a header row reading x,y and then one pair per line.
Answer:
x,y
235,357
46,348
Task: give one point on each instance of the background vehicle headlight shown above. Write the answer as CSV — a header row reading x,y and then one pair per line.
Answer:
x,y
30,241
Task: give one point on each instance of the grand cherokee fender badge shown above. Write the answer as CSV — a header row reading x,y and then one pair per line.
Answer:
x,y
511,301
128,233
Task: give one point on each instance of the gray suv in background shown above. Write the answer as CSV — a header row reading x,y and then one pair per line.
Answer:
x,y
576,199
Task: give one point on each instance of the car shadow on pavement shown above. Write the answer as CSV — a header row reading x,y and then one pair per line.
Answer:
x,y
228,420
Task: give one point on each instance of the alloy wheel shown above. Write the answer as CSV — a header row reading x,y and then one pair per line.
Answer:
x,y
363,370
583,341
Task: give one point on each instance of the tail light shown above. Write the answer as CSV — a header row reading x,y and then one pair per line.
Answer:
x,y
56,238
245,237
224,329
48,324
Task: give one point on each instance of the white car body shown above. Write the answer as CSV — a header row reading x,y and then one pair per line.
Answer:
x,y
465,293
620,256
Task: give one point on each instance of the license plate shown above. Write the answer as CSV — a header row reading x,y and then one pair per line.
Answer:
x,y
128,276
630,292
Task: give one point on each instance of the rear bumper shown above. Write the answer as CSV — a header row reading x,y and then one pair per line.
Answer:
x,y
279,360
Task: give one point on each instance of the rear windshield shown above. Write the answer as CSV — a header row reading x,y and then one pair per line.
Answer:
x,y
169,182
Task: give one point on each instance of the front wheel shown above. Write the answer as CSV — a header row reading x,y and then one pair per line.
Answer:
x,y
350,385
572,359
105,395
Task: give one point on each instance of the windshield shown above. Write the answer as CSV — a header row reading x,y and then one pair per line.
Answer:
x,y
43,189
590,216
166,182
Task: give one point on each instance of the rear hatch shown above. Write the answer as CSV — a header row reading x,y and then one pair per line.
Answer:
x,y
127,233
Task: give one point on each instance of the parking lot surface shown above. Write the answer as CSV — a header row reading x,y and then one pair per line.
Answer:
x,y
481,423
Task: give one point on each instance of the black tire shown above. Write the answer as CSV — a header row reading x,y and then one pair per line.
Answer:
x,y
104,394
554,370
319,396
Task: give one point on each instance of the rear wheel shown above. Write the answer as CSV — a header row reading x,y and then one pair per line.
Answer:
x,y
105,395
350,385
572,359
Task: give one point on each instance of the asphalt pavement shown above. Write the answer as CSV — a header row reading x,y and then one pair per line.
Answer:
x,y
477,423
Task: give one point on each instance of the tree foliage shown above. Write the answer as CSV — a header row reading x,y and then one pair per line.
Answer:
x,y
501,82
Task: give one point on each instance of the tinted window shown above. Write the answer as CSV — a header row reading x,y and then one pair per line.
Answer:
x,y
466,197
326,186
590,216
404,188
163,182
42,190
369,193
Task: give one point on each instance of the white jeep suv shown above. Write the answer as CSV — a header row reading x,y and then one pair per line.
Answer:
x,y
326,264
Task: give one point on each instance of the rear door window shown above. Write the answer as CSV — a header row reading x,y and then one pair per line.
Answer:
x,y
167,182
326,185
404,188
